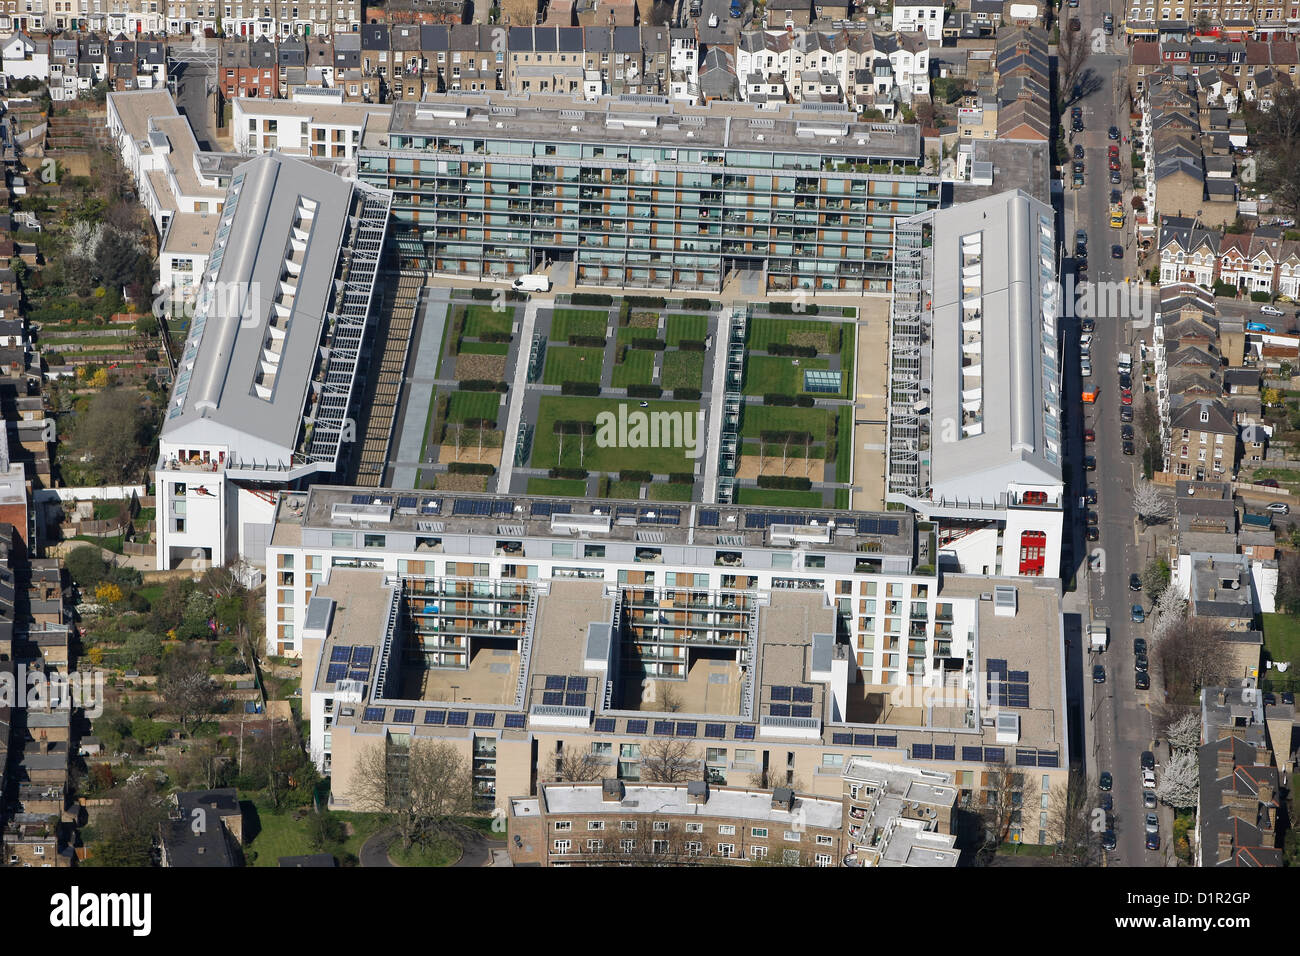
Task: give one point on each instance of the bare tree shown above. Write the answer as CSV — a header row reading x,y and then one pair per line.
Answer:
x,y
1179,781
1071,54
767,780
187,688
420,785
656,841
1190,657
1150,504
670,699
1002,795
670,761
1073,824
579,766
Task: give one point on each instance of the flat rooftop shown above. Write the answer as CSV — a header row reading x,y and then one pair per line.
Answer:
x,y
191,233
669,800
643,120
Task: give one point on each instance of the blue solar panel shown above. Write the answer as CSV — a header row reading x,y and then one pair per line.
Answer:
x,y
864,740
503,507
540,509
430,506
482,719
515,721
458,718
709,518
605,725
374,714
408,501
664,728
804,694
995,754
744,731
1018,677
575,700
552,698
636,726
470,506
341,654
624,512
945,752
435,716
842,740
686,729
361,499
801,710
1026,758
404,715
384,499
997,665
1048,759
972,753
779,710
753,521
717,731
886,740
554,682
362,656
922,752
780,692
336,672
578,683
359,675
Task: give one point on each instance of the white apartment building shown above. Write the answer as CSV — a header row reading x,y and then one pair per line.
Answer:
x,y
924,15
314,123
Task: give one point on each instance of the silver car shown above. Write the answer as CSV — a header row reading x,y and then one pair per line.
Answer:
x,y
1153,823
1149,799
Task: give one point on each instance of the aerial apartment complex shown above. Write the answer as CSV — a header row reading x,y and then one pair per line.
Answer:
x,y
975,384
781,646
265,380
643,192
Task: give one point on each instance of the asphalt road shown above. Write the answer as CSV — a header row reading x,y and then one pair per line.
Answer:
x,y
1118,723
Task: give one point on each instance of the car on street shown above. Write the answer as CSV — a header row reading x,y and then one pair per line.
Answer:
x,y
1288,698
1115,178
1126,432
1112,133
1266,482
1117,252
1081,267
1137,615
1112,149
1092,517
1135,582
1094,534
1108,24
1279,507
1149,799
1089,435
1081,239
1085,340
1128,449
1153,841
1085,367
1149,779
1099,674
1271,310
1078,151
1126,414
1113,164
1270,700
1140,662
1116,196
1141,680
1147,760
1089,463
1108,802
1108,840
1105,781
1125,380
1139,645
1126,397
1152,823
1090,325
1075,25
1090,496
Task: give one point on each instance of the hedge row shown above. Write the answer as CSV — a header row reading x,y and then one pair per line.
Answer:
x,y
644,391
482,385
580,388
587,341
579,474
646,301
784,482
591,298
691,345
654,345
471,468
687,394
681,478
799,351
781,398
700,305
641,476
788,308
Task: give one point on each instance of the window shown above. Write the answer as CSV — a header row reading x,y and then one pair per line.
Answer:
x,y
744,756
758,833
726,829
601,749
375,540
694,847
658,846
595,846
563,826
832,761
342,539
823,840
790,836
595,824
593,551
758,852
627,846
661,826
725,850
823,859
562,846
628,826
695,828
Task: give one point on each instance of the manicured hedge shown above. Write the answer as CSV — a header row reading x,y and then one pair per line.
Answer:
x,y
580,388
784,482
471,468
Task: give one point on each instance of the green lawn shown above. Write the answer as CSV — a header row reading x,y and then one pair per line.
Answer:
x,y
762,332
631,490
561,487
663,491
841,498
683,370
844,449
761,418
279,834
467,405
481,320
1282,639
777,373
567,364
484,348
626,335
660,460
848,354
637,368
568,322
778,498
433,851
1284,477
693,327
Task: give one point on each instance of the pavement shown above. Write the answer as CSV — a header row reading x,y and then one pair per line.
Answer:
x,y
1115,718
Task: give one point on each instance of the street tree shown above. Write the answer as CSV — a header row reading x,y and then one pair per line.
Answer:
x,y
1151,505
1185,732
1004,786
1189,657
575,765
1155,578
1179,781
670,761
419,784
1073,824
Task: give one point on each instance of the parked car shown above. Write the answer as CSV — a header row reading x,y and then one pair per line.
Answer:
x,y
1092,517
1090,496
1089,463
1149,799
1139,645
1126,414
1099,674
1085,367
1135,582
1149,779
1140,662
1126,398
1288,698
1090,325
1105,781
1089,435
1108,840
1078,151
1152,823
1116,196
1266,482
1126,432
1137,615
1113,150
1108,802
1113,133
1128,448
1279,507
1117,252
1125,380
1153,841
1141,680
1147,760
1271,310
1115,179
1075,25
1093,533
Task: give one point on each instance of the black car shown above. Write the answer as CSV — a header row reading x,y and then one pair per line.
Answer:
x,y
1090,496
1115,179
1088,325
1099,674
1112,133
1126,414
1269,700
1077,125
1153,841
1081,238
1125,380
1147,760
1115,196
1105,781
1288,698
1139,645
1140,662
1141,680
1092,517
1117,252
1089,463
1135,582
1094,534
1078,151
1108,840
1128,448
1108,803
1126,432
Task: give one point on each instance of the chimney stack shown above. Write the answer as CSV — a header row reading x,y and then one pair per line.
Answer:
x,y
697,792
1224,847
611,791
1225,756
783,799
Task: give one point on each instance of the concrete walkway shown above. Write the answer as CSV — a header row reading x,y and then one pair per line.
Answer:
x,y
422,381
524,345
715,410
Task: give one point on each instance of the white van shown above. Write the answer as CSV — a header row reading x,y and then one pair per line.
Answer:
x,y
534,282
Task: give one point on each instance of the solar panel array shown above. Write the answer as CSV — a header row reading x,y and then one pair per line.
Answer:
x,y
709,518
575,700
485,719
664,728
362,656
554,682
515,721
853,740
552,698
636,726
362,675
605,725
758,520
886,740
885,526
779,710
458,718
972,753
481,507
716,731
744,731
336,672
922,752
577,684
995,754
435,717
404,715
1026,758
341,654
544,509
804,694
1011,687
780,692
801,710
408,501
374,714
1049,758
685,729
945,752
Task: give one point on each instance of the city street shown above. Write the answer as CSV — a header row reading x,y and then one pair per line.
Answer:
x,y
1118,722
